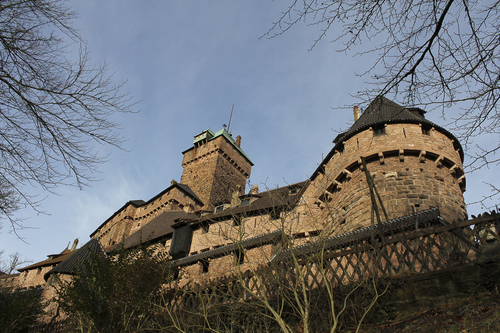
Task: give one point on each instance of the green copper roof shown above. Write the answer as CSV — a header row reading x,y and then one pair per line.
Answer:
x,y
209,135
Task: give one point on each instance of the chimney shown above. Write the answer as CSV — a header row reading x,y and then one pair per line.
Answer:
x,y
238,141
355,110
255,189
235,200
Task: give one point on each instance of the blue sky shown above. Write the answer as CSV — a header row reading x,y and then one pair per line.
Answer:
x,y
186,63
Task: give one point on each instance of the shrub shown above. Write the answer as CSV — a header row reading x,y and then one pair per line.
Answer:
x,y
115,293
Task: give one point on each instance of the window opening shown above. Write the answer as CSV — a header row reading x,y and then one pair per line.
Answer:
x,y
426,129
275,214
204,265
299,235
314,233
379,130
240,256
237,220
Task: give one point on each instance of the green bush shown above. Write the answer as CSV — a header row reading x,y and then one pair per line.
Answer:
x,y
19,309
115,294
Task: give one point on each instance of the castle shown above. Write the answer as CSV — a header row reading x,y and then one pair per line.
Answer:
x,y
209,225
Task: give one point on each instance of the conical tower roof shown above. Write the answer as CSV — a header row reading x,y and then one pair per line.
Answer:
x,y
77,260
384,111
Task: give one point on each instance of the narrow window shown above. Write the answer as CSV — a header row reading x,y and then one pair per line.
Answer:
x,y
299,235
239,256
204,266
426,129
237,220
314,233
379,130
275,214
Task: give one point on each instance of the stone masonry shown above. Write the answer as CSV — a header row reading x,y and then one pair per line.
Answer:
x,y
415,168
215,167
416,165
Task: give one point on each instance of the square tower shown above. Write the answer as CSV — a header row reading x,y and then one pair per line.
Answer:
x,y
215,166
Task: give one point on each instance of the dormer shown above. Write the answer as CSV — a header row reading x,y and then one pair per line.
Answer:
x,y
203,138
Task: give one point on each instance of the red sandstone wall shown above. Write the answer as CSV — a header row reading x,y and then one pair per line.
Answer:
x,y
214,169
412,171
131,219
33,278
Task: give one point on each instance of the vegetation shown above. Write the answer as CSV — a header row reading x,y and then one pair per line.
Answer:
x,y
55,103
473,314
19,309
116,293
439,53
299,292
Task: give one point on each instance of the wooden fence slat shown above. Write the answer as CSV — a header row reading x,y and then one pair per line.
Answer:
x,y
419,251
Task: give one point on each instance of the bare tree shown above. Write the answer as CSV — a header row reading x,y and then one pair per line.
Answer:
x,y
9,201
434,53
12,262
54,104
277,287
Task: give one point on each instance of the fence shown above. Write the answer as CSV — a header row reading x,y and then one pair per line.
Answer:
x,y
417,243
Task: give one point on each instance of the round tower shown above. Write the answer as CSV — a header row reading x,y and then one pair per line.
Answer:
x,y
416,165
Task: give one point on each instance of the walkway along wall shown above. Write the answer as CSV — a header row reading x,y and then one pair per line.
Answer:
x,y
418,243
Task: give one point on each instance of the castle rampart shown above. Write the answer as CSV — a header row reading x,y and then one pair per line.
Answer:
x,y
415,166
210,227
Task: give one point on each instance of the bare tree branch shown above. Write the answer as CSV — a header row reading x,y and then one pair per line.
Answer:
x,y
53,109
435,53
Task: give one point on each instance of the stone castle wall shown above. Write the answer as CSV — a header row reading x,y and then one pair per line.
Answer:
x,y
214,169
33,278
131,218
413,171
